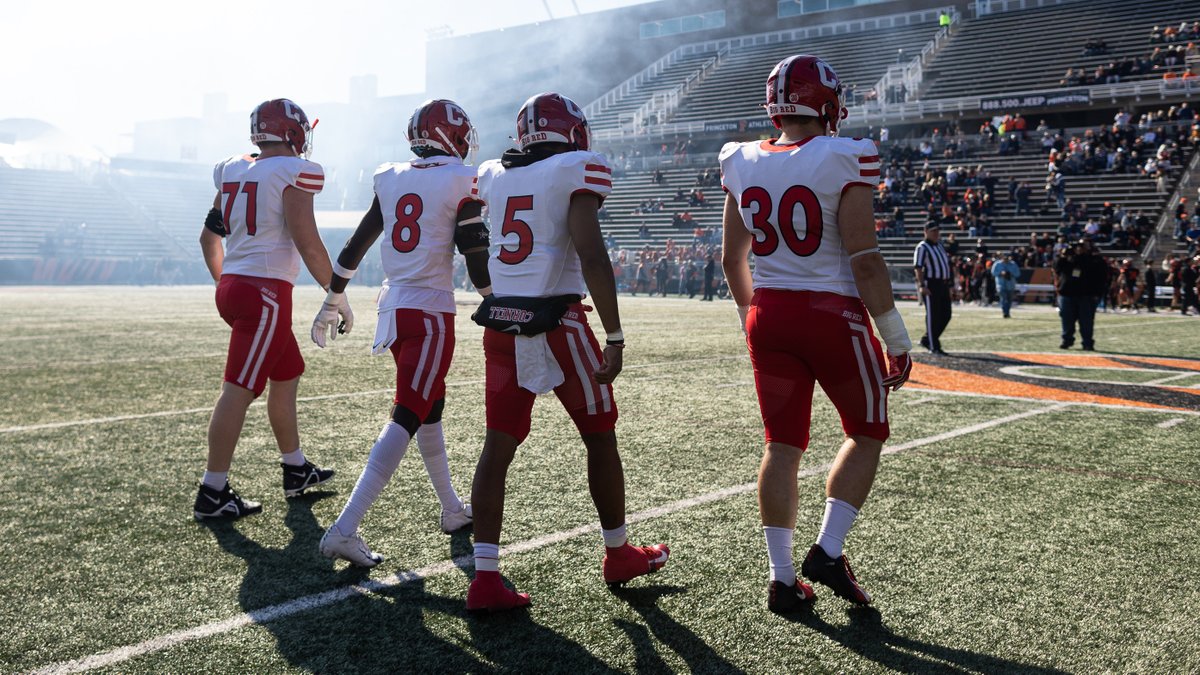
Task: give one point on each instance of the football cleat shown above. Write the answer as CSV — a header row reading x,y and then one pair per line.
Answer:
x,y
783,599
834,573
627,562
352,549
489,594
453,522
223,503
297,479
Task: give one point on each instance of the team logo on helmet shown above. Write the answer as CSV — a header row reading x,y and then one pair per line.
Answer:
x,y
441,126
552,118
805,85
281,120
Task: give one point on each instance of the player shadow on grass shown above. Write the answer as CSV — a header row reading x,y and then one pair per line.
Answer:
x,y
868,636
388,630
660,625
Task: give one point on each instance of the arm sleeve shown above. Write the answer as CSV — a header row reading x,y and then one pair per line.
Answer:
x,y
729,179
862,164
308,176
592,175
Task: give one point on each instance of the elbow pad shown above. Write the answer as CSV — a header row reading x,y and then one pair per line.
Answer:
x,y
471,235
213,223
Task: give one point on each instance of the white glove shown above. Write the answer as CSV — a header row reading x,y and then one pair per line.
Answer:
x,y
336,305
742,310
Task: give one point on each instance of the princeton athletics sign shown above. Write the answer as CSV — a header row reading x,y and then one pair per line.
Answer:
x,y
1041,101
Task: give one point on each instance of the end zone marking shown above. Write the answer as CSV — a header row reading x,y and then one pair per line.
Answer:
x,y
326,598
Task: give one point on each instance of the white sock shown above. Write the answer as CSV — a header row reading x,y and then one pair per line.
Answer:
x,y
487,557
293,458
779,552
839,517
381,464
216,479
432,444
616,537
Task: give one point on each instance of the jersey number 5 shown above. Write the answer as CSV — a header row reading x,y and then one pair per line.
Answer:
x,y
406,233
511,225
230,192
795,195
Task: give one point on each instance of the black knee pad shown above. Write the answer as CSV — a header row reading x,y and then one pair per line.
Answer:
x,y
435,413
406,418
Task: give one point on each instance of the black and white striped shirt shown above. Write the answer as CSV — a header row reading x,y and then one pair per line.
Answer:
x,y
932,260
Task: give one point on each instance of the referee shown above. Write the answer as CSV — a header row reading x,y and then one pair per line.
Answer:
x,y
932,267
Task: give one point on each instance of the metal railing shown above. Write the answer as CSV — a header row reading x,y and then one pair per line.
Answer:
x,y
725,45
1166,222
986,7
910,76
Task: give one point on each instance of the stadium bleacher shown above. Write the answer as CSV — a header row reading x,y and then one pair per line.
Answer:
x,y
1030,50
57,213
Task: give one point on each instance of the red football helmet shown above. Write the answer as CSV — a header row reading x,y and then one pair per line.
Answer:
x,y
552,118
281,120
805,85
440,124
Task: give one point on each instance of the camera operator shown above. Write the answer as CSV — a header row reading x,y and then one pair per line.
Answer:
x,y
1080,279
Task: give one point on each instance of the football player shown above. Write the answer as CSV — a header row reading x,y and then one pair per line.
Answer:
x,y
424,208
264,212
543,202
802,204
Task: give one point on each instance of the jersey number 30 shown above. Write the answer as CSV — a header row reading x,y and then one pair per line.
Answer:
x,y
761,220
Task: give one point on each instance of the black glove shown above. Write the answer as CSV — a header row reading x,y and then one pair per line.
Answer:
x,y
213,222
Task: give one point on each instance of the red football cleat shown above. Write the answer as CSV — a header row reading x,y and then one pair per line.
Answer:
x,y
626,562
489,594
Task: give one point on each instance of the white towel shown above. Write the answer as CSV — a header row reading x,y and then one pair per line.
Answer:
x,y
385,332
537,369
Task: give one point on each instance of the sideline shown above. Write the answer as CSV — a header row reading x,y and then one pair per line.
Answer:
x,y
324,599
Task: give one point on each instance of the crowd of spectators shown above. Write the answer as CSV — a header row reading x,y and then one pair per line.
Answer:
x,y
689,269
1170,50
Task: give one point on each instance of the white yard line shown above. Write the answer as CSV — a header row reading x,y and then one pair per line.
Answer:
x,y
1056,331
1167,424
327,598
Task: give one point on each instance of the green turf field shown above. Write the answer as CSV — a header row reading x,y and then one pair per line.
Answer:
x,y
1004,534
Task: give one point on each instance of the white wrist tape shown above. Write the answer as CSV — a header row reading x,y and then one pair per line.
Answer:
x,y
334,298
865,251
342,271
616,336
892,331
485,291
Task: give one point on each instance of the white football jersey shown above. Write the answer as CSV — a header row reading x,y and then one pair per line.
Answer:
x,y
420,202
526,209
259,244
788,196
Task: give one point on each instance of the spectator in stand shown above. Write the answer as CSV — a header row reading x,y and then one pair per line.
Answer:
x,y
1023,193
644,231
1056,188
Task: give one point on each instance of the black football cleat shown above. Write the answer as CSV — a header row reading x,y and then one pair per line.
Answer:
x,y
223,503
784,599
834,573
297,479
